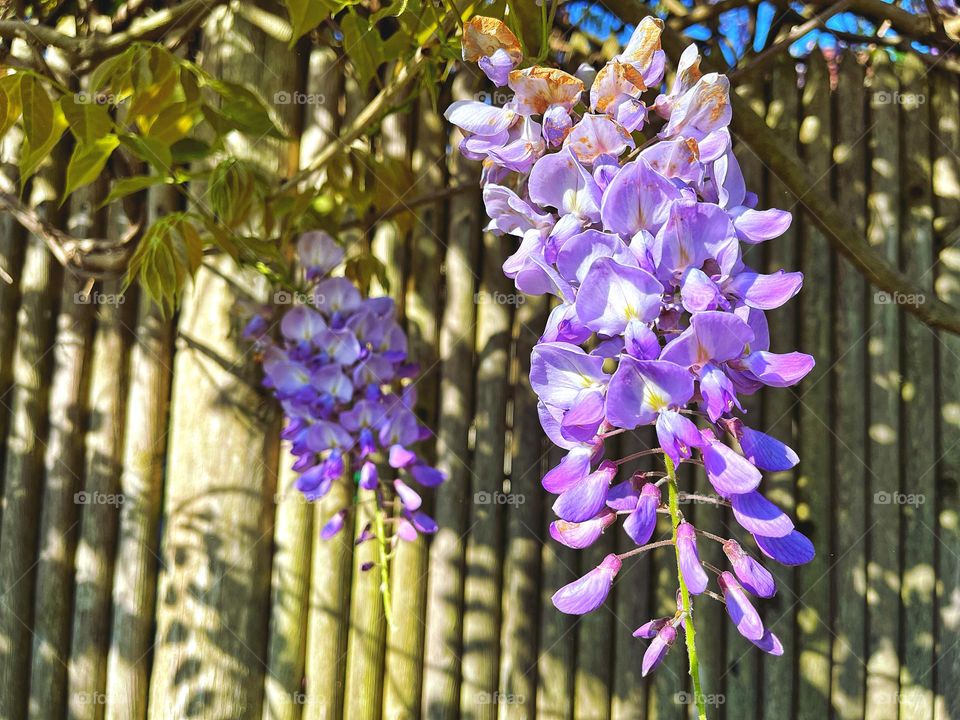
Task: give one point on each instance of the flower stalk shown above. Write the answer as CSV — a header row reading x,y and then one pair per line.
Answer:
x,y
686,605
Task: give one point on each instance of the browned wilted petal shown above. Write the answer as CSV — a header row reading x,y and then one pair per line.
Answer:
x,y
537,88
644,42
483,36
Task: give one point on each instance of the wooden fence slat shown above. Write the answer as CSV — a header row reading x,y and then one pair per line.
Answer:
x,y
59,521
12,249
521,565
328,606
141,482
495,301
779,407
814,503
443,644
848,622
213,610
917,404
403,665
632,604
366,641
741,666
945,106
592,679
884,428
25,444
100,511
556,655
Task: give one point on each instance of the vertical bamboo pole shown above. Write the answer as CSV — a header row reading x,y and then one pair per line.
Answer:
x,y
917,506
946,190
218,509
592,678
441,685
632,602
12,247
141,483
495,300
522,546
851,473
101,500
814,496
884,427
403,665
365,643
329,590
25,444
59,521
293,516
779,406
556,655
740,684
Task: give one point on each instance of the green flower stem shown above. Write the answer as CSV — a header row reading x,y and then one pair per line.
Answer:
x,y
384,562
691,633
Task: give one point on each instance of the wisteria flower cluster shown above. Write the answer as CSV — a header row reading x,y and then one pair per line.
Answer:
x,y
337,370
629,206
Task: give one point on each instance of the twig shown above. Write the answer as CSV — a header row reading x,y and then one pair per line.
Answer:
x,y
795,34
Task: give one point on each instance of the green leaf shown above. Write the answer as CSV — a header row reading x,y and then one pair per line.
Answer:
x,y
305,15
244,110
174,122
88,120
87,162
154,153
363,45
47,133
129,185
38,111
12,107
189,150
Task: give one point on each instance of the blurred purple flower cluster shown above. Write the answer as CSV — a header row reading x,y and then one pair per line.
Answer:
x,y
659,320
337,369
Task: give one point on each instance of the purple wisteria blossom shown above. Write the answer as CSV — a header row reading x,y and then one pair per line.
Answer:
x,y
338,367
629,208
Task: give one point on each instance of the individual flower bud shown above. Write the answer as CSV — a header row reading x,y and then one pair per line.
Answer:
x,y
333,525
408,496
368,476
693,573
556,125
588,593
584,534
658,649
641,523
751,574
739,608
585,499
649,629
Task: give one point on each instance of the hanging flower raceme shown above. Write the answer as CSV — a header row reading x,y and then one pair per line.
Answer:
x,y
338,366
630,209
